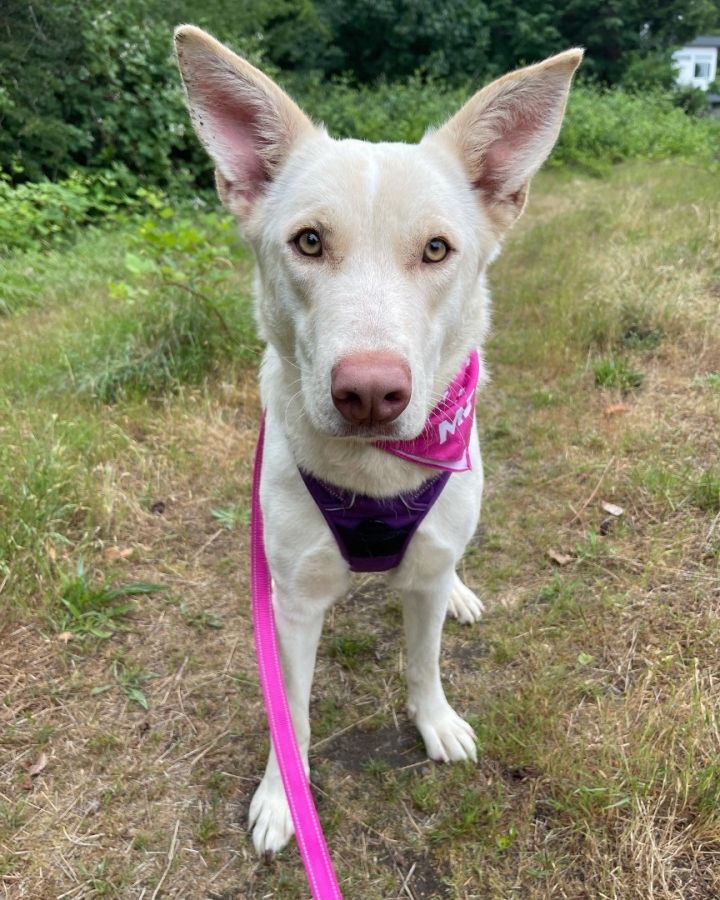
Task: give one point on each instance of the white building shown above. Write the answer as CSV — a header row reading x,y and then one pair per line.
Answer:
x,y
697,62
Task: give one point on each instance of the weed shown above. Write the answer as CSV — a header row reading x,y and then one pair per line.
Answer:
x,y
616,373
141,842
12,816
425,794
473,818
91,609
208,827
638,336
705,790
43,734
543,399
352,652
506,839
205,618
711,380
231,516
705,490
502,652
103,743
376,768
100,879
130,680
219,783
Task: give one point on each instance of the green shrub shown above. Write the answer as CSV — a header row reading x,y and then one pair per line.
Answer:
x,y
601,126
37,213
607,126
180,311
397,111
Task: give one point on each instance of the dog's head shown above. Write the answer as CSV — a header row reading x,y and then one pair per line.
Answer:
x,y
371,257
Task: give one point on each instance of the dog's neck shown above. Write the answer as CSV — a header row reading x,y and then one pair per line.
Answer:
x,y
355,465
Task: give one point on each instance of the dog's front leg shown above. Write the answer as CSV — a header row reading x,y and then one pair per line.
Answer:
x,y
299,624
447,737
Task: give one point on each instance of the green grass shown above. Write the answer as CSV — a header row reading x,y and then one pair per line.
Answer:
x,y
92,610
616,373
128,415
705,490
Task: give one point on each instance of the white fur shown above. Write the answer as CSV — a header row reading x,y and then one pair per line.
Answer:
x,y
375,207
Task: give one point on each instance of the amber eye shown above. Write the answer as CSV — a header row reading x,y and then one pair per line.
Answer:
x,y
308,243
436,250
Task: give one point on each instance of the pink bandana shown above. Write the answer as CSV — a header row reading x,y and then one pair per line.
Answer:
x,y
444,443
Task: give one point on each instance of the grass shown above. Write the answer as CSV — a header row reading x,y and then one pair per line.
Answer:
x,y
128,414
91,610
616,373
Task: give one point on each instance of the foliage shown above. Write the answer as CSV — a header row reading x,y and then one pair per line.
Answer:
x,y
180,289
616,373
395,38
400,111
40,212
92,610
85,84
40,58
608,126
623,33
705,490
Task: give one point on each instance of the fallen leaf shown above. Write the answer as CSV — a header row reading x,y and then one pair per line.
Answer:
x,y
27,783
113,553
36,767
612,509
616,408
562,559
65,636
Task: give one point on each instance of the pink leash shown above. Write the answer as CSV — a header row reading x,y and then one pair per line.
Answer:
x,y
308,831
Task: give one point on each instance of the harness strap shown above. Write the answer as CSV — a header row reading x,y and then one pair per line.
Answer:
x,y
308,831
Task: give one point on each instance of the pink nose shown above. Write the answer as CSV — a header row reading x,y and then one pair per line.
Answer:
x,y
371,388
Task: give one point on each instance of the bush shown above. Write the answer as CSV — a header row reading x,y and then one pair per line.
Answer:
x,y
608,126
178,312
38,213
601,126
398,111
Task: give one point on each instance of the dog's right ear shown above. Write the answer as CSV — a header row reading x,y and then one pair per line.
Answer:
x,y
246,123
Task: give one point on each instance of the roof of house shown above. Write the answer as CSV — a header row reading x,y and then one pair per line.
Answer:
x,y
705,40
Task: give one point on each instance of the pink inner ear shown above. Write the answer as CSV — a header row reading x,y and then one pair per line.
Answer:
x,y
502,158
510,159
231,131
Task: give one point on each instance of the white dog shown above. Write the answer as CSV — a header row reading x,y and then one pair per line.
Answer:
x,y
371,294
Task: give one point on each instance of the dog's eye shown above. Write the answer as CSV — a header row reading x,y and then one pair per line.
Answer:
x,y
436,250
308,243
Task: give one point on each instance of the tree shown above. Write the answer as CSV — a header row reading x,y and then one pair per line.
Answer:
x,y
394,38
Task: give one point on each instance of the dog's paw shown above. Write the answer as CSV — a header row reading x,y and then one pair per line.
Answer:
x,y
448,738
270,818
464,605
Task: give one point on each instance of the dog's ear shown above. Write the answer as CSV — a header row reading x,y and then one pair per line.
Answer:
x,y
505,132
244,120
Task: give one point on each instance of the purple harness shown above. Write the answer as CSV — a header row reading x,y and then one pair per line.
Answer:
x,y
373,533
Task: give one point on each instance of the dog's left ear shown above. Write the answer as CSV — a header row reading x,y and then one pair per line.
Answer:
x,y
246,122
506,131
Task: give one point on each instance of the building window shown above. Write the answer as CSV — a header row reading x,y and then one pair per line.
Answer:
x,y
702,70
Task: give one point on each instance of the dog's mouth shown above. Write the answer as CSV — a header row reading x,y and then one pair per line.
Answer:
x,y
370,433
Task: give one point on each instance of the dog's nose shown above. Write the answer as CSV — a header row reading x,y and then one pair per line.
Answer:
x,y
371,388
